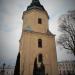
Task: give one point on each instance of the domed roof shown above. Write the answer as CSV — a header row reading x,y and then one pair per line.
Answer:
x,y
35,4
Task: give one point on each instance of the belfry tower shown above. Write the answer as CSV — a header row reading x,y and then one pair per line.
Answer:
x,y
37,43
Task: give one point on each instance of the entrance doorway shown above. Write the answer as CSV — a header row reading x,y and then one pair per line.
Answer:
x,y
39,67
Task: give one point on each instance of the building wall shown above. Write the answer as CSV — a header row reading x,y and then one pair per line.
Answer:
x,y
32,31
29,51
7,71
30,21
66,66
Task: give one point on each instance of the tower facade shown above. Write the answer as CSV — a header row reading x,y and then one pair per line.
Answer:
x,y
37,44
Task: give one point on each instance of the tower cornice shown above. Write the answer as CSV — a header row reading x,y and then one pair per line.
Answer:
x,y
36,9
35,4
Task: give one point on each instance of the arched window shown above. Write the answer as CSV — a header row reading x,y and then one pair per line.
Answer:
x,y
39,21
40,43
40,58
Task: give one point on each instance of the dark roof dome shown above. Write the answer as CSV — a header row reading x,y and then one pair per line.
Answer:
x,y
35,4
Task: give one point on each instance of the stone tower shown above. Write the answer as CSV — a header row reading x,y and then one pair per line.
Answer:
x,y
37,44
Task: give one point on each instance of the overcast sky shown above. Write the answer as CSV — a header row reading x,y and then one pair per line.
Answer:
x,y
11,25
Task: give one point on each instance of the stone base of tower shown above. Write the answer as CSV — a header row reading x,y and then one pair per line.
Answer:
x,y
31,54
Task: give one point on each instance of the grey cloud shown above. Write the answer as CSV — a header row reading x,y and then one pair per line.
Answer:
x,y
9,44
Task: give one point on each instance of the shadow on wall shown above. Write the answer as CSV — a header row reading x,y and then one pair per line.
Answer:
x,y
17,66
39,68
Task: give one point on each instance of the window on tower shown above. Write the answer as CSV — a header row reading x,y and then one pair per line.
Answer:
x,y
40,43
40,58
39,21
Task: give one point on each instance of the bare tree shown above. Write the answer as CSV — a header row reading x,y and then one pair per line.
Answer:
x,y
67,27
